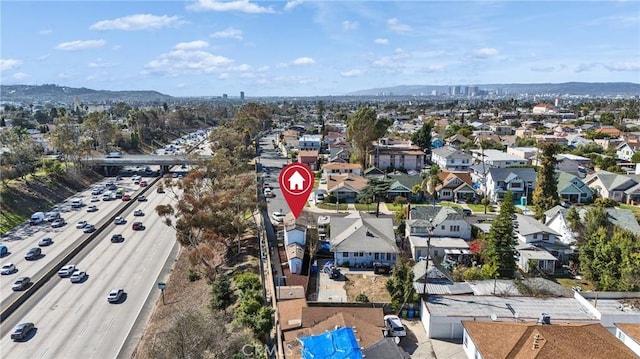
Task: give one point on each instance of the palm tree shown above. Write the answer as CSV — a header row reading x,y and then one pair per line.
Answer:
x,y
429,184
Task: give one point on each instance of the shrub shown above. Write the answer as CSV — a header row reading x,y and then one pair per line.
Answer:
x,y
193,275
362,298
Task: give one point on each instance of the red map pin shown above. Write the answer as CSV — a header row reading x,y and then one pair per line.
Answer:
x,y
296,184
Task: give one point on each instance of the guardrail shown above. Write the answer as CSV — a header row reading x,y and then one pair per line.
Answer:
x,y
52,268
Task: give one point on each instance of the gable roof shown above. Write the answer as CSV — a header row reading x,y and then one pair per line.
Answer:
x,y
612,181
565,182
385,348
450,152
447,178
528,225
370,234
295,250
349,181
527,174
374,171
623,218
290,312
516,340
420,215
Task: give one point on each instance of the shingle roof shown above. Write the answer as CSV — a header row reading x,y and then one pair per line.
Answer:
x,y
528,225
527,174
516,340
290,312
362,234
623,218
384,348
447,152
613,181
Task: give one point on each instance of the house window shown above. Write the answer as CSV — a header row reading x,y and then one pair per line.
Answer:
x,y
454,228
442,227
388,256
516,185
545,237
376,256
345,254
361,254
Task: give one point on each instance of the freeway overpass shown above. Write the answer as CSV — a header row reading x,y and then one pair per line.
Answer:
x,y
164,161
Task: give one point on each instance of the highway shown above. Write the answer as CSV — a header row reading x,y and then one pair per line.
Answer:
x,y
75,320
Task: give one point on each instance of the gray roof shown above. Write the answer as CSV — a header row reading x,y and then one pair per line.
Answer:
x,y
528,225
435,273
384,348
448,151
420,215
359,234
443,288
614,181
548,215
527,174
623,218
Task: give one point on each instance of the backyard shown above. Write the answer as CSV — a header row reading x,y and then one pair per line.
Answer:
x,y
373,286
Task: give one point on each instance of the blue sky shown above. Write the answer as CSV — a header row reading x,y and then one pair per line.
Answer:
x,y
308,48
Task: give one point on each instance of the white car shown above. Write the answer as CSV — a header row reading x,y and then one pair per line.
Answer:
x,y
78,276
115,295
95,199
138,212
67,270
8,269
81,224
278,217
119,220
92,209
394,326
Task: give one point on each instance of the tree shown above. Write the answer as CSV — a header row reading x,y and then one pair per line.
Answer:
x,y
499,249
422,138
545,195
376,189
221,293
363,128
636,157
400,285
429,184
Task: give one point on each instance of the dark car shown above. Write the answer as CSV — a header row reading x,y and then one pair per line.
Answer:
x,y
21,283
116,238
22,330
137,226
33,253
466,212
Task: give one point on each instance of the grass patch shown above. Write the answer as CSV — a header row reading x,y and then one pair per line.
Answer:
x,y
479,208
634,209
395,207
450,204
569,283
332,206
365,207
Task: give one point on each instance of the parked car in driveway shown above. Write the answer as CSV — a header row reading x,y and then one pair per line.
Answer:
x,y
78,276
115,295
33,253
67,270
21,283
393,326
8,268
58,223
21,331
47,241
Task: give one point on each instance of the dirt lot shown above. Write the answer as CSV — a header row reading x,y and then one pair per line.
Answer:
x,y
369,284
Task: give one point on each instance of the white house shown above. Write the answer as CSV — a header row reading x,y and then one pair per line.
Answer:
x,y
451,159
341,169
363,239
556,219
295,233
310,142
498,159
519,180
295,256
543,260
528,230
446,227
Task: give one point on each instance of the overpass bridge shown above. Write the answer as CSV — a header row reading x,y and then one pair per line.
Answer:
x,y
164,161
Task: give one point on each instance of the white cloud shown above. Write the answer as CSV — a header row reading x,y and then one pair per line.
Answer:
x,y
8,64
100,64
64,75
539,68
137,22
20,76
434,68
381,41
80,45
45,32
486,52
352,73
349,25
396,26
228,33
585,67
236,5
622,66
291,4
180,61
223,76
392,62
198,44
303,61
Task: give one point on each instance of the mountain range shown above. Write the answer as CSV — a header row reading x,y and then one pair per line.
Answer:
x,y
64,94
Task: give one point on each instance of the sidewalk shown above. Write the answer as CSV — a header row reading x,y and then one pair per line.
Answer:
x,y
351,208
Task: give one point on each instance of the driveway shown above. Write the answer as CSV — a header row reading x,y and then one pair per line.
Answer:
x,y
330,290
416,343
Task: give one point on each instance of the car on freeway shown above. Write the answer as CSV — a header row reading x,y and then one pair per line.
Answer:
x,y
47,241
21,331
21,283
96,191
112,187
119,220
33,253
8,268
58,223
137,226
95,199
126,197
92,209
78,276
138,213
278,217
51,216
90,228
142,198
115,295
81,224
77,203
67,270
117,238
393,326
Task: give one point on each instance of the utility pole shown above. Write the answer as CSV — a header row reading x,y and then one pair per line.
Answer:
x,y
426,262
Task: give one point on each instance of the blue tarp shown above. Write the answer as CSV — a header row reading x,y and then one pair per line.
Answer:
x,y
337,344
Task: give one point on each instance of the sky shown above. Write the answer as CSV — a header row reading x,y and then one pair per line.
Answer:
x,y
314,48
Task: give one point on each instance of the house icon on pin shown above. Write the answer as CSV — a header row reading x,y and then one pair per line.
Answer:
x,y
296,182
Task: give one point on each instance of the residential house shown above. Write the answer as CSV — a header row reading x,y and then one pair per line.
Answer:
x,y
525,153
309,158
530,255
533,340
574,140
629,334
391,153
374,172
360,239
622,188
340,152
310,142
529,230
625,150
549,253
456,141
455,186
289,139
334,137
330,169
559,140
294,233
295,257
439,228
544,109
451,159
519,180
436,142
345,187
498,159
501,130
402,186
572,189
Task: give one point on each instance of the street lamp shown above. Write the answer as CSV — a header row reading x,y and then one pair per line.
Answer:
x,y
426,262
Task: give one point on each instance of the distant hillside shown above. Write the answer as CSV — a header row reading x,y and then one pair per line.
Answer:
x,y
55,93
571,88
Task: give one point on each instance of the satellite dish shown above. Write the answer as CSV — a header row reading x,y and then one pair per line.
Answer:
x,y
494,317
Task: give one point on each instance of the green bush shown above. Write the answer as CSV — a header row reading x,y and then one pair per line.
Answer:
x,y
362,298
193,275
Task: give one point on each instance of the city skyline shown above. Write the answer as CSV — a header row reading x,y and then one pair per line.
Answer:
x,y
301,48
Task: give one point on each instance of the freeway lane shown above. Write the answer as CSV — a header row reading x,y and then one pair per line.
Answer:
x,y
75,320
26,237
